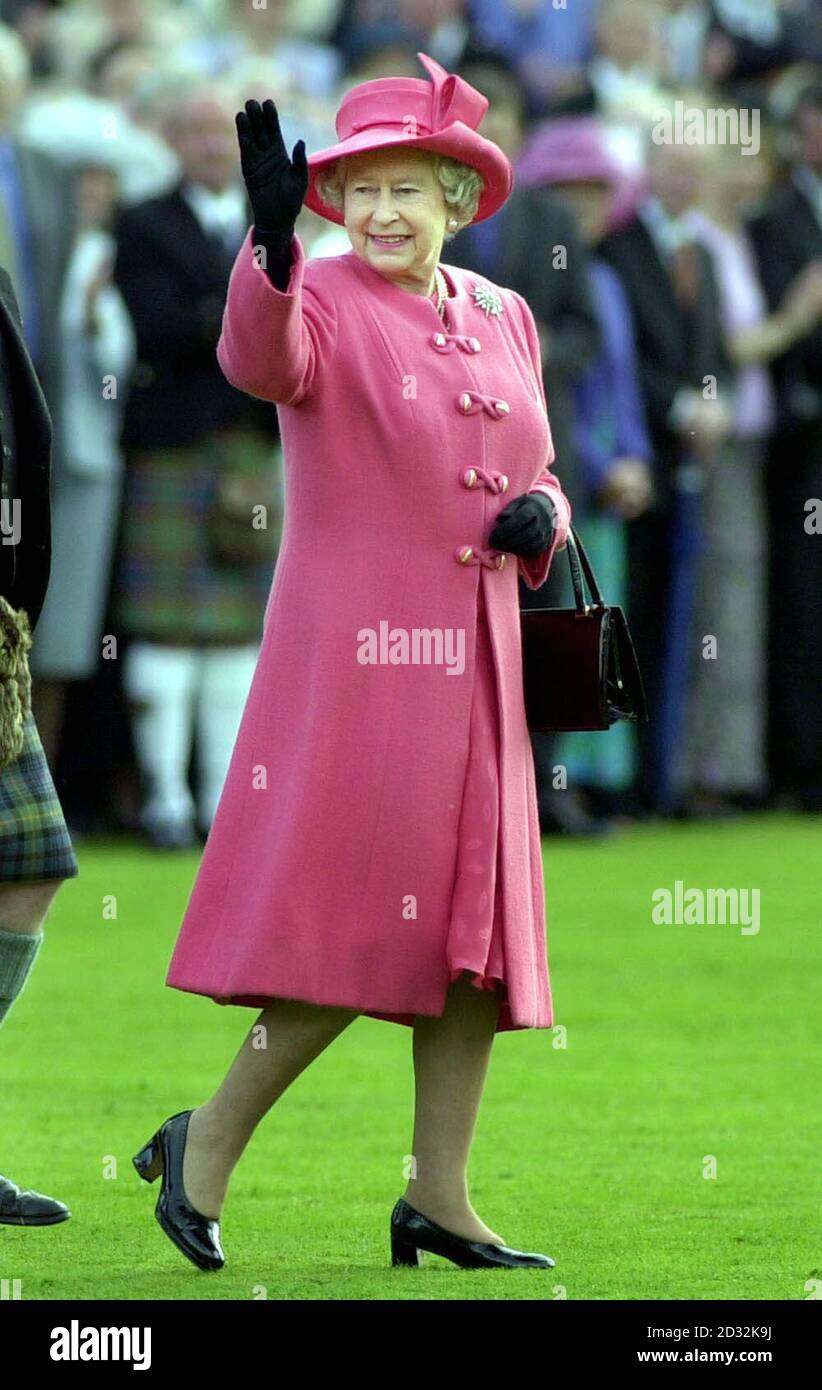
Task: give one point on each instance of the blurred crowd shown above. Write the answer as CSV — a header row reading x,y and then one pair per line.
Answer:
x,y
666,230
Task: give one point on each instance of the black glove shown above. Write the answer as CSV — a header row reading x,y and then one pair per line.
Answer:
x,y
276,186
278,258
525,526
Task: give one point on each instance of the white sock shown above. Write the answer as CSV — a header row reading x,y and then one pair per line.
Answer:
x,y
164,680
225,682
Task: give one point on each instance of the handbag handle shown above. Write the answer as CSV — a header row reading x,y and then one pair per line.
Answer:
x,y
580,564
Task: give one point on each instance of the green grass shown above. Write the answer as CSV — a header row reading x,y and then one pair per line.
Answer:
x,y
682,1042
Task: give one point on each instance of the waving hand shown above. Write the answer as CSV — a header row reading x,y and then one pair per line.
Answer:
x,y
276,184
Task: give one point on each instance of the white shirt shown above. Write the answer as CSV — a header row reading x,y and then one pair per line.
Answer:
x,y
221,214
668,233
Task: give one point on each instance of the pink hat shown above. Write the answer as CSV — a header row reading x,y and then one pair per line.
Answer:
x,y
575,149
440,115
568,150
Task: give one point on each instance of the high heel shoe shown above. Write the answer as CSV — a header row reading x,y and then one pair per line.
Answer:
x,y
197,1236
412,1233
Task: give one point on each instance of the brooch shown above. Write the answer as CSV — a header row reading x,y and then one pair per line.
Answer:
x,y
487,299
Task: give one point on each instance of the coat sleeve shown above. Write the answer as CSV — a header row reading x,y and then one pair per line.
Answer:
x,y
534,568
275,345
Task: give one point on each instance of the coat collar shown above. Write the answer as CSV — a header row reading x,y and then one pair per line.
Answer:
x,y
389,291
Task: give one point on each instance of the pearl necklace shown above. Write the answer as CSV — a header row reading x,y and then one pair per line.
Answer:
x,y
442,292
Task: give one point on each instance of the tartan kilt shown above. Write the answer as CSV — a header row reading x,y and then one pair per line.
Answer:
x,y
34,838
170,585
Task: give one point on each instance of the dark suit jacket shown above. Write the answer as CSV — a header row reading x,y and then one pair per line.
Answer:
x,y
24,567
786,238
532,223
675,349
174,280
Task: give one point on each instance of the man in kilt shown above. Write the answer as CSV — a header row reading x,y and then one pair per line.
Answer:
x,y
36,852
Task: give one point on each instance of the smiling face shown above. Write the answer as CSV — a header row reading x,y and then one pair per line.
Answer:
x,y
396,214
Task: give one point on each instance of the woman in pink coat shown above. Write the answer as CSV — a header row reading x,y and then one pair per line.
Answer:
x,y
376,849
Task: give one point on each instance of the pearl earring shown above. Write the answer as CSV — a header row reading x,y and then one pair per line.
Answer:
x,y
452,221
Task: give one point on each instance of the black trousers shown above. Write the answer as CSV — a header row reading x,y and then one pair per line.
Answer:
x,y
794,478
649,561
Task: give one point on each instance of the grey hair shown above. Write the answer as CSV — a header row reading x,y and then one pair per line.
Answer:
x,y
462,186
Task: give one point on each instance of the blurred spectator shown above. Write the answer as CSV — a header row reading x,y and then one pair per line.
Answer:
x,y
32,19
366,28
788,243
752,38
683,30
97,347
37,228
119,70
625,80
672,289
83,30
548,46
724,746
555,284
65,124
610,429
388,49
96,344
281,50
626,75
194,570
294,36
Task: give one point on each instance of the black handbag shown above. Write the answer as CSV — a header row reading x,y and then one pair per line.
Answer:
x,y
579,667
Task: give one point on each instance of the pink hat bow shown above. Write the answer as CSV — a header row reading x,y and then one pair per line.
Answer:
x,y
452,99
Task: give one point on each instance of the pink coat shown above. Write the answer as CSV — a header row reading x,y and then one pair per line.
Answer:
x,y
343,797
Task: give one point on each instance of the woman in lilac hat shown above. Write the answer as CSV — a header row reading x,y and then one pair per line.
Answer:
x,y
376,849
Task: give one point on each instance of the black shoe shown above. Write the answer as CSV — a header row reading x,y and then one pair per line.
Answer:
x,y
29,1208
411,1233
197,1236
